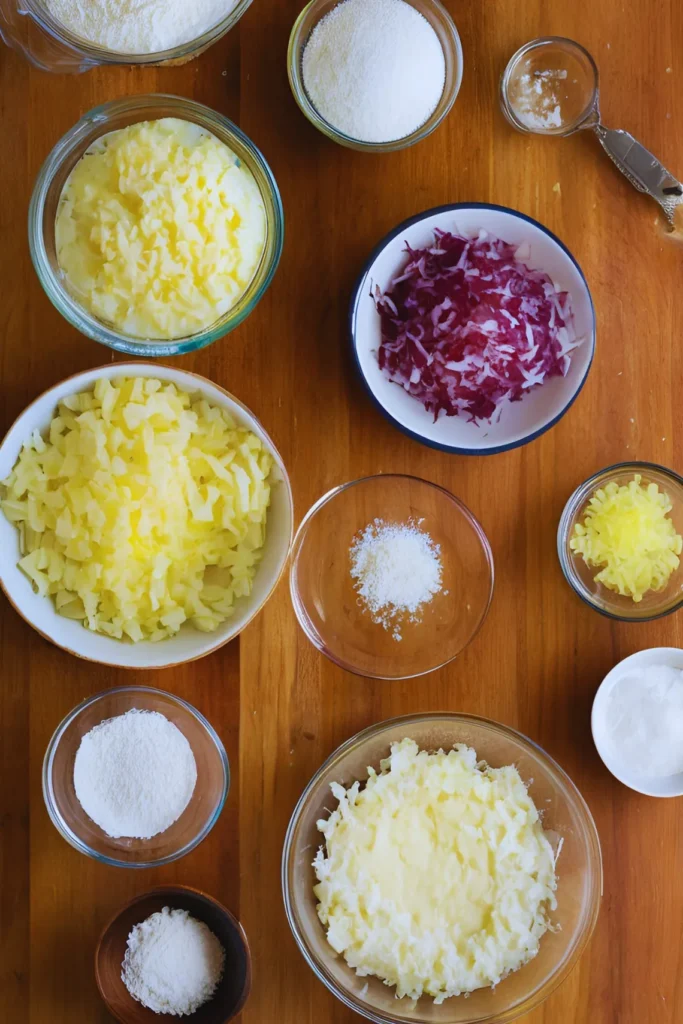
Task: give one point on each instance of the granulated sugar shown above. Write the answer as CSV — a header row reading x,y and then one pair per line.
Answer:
x,y
134,774
374,69
396,568
173,963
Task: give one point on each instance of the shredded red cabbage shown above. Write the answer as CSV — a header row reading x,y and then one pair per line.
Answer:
x,y
467,326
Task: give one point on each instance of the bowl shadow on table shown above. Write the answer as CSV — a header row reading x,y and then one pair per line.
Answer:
x,y
234,987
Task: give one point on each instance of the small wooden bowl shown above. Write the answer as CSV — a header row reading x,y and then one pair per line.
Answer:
x,y
233,990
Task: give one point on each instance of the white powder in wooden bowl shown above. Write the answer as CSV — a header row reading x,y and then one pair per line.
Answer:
x,y
173,963
139,26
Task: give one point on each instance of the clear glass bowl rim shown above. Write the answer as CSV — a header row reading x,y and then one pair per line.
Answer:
x,y
101,55
300,536
294,52
572,507
145,104
48,791
560,776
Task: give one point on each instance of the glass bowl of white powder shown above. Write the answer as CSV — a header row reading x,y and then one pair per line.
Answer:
x,y
375,75
391,576
135,777
72,36
568,826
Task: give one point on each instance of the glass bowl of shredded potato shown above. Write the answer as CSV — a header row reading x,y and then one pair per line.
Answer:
x,y
620,541
568,827
145,514
194,263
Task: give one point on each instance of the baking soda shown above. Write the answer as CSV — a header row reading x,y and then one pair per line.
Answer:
x,y
134,774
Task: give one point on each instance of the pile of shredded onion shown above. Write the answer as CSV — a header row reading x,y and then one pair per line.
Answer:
x,y
467,326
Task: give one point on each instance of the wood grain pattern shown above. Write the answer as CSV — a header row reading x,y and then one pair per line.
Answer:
x,y
278,705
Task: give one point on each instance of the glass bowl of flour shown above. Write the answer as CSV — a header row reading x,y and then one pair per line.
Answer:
x,y
74,36
135,777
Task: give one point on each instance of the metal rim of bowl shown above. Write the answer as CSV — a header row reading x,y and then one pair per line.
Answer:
x,y
295,50
359,291
249,415
48,789
299,538
592,838
574,504
76,314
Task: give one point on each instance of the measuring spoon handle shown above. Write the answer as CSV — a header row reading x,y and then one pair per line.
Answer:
x,y
641,167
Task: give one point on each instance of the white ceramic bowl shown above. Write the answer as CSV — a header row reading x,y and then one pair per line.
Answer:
x,y
189,643
520,422
648,785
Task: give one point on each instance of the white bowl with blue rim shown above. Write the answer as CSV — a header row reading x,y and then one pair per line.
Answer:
x,y
520,422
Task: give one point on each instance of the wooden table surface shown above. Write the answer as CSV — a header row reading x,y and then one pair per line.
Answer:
x,y
279,706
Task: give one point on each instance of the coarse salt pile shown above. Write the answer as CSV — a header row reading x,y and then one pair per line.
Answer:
x,y
396,568
135,774
173,963
374,69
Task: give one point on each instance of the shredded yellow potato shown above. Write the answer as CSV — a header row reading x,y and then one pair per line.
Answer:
x,y
436,876
159,229
627,530
142,508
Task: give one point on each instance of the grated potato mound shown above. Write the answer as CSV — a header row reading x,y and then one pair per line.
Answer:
x,y
142,508
627,531
160,229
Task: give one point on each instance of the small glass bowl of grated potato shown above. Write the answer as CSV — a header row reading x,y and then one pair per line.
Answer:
x,y
155,225
620,540
145,514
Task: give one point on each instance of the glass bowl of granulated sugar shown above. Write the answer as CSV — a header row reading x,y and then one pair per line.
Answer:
x,y
135,777
391,576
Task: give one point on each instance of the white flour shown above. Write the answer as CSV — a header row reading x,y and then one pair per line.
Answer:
x,y
134,774
374,69
173,963
139,26
396,568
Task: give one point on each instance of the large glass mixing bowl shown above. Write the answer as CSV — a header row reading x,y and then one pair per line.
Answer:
x,y
566,819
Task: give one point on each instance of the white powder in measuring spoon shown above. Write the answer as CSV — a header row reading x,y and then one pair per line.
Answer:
x,y
173,963
374,69
396,568
139,26
134,774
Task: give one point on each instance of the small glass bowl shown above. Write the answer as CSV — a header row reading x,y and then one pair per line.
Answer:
x,y
326,603
581,577
193,825
565,817
581,73
444,26
51,180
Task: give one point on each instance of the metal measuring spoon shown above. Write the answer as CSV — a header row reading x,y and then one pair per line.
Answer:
x,y
550,87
